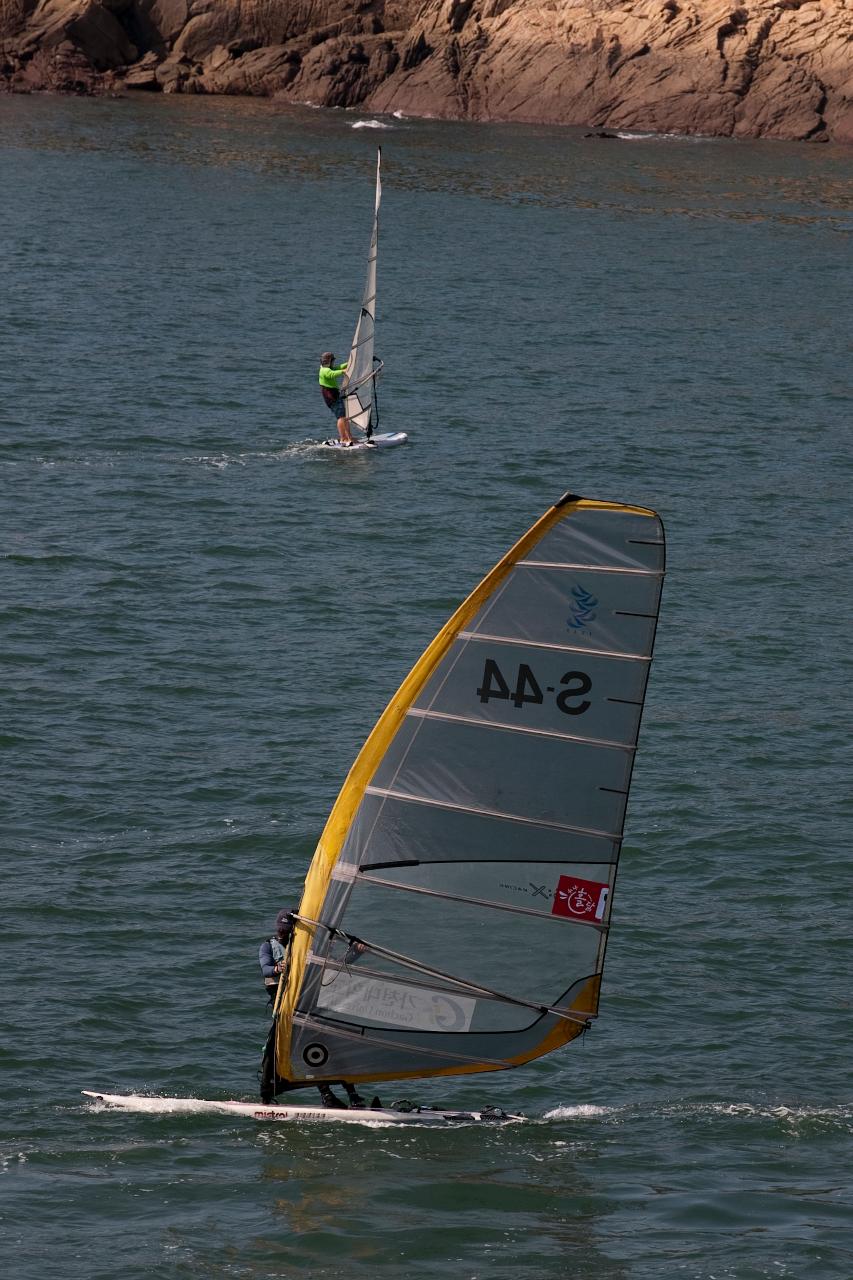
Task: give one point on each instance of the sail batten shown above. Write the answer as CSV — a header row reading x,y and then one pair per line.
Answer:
x,y
482,819
449,718
477,902
482,637
599,568
489,813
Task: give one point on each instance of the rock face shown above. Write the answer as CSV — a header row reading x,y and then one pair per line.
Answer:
x,y
772,68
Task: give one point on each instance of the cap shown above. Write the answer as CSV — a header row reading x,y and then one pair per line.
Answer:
x,y
283,919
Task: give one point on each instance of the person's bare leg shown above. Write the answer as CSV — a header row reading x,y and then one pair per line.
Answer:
x,y
344,433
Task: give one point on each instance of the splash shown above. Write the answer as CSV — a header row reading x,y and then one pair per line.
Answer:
x,y
585,1111
662,137
793,1119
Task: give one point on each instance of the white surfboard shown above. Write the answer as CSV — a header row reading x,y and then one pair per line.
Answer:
x,y
257,1111
380,440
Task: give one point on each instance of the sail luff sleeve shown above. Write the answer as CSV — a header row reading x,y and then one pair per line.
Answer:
x,y
492,792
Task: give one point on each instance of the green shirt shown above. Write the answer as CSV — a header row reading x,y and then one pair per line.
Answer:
x,y
330,375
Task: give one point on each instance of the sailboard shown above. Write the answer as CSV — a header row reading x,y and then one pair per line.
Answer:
x,y
456,912
381,440
256,1111
363,367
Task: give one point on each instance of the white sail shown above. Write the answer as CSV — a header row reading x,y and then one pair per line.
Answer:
x,y
360,385
457,908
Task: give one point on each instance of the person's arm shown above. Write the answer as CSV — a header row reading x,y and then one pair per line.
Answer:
x,y
266,961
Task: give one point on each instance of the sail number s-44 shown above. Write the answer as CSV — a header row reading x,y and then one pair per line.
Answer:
x,y
571,699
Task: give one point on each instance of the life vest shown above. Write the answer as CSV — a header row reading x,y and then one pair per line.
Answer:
x,y
280,956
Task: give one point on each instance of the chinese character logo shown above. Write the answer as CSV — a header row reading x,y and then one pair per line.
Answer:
x,y
580,899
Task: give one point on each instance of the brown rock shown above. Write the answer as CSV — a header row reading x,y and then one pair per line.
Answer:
x,y
260,72
173,73
143,74
167,17
765,68
100,38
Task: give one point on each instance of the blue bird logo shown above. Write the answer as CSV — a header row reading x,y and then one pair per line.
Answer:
x,y
582,610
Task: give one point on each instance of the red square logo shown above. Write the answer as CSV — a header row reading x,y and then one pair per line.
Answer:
x,y
580,899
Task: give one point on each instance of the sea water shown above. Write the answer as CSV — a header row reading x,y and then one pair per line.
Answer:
x,y
204,615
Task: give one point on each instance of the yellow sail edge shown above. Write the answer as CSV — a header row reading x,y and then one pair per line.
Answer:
x,y
331,841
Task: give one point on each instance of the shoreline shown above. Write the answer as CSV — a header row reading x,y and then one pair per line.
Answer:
x,y
779,70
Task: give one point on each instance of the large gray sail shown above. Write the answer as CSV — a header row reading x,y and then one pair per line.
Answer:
x,y
457,909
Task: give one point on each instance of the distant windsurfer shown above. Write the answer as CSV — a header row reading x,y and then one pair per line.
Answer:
x,y
331,376
274,959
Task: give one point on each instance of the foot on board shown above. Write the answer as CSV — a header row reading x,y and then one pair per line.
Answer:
x,y
329,1099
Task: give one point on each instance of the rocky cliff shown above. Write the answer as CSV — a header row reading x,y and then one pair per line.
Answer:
x,y
771,68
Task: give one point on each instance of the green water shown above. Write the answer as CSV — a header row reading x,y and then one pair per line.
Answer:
x,y
203,616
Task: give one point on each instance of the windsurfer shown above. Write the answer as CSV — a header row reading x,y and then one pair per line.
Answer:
x,y
274,953
274,959
330,382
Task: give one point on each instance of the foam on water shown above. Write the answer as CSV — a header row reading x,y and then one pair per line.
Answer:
x,y
585,1111
627,136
